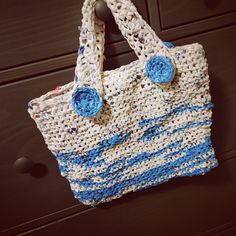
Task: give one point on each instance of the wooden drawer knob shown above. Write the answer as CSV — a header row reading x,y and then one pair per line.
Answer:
x,y
102,11
23,165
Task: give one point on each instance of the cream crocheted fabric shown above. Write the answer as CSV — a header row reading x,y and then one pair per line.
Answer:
x,y
123,130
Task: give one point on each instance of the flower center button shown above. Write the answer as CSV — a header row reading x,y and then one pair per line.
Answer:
x,y
160,69
86,101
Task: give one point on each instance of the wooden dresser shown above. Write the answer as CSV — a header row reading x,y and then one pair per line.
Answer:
x,y
38,49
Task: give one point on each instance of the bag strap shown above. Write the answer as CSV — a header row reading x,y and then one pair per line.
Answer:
x,y
140,36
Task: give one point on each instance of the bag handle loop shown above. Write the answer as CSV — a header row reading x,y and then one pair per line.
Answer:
x,y
140,36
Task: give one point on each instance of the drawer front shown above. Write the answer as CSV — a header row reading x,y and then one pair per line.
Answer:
x,y
28,196
186,207
180,203
179,12
43,191
35,30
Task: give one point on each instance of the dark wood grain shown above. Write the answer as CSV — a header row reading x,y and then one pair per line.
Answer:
x,y
61,61
19,129
198,27
186,207
180,12
37,68
58,63
39,37
31,31
35,30
45,220
25,198
228,229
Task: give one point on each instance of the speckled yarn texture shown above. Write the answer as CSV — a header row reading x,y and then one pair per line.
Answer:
x,y
140,125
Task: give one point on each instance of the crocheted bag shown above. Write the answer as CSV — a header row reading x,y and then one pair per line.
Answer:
x,y
142,124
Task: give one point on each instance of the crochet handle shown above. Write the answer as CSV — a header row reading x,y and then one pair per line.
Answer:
x,y
140,36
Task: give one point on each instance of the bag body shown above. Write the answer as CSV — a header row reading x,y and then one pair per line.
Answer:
x,y
123,130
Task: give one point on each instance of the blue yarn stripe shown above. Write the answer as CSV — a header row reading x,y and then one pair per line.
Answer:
x,y
103,145
114,168
178,110
125,163
154,132
89,158
147,177
118,138
188,155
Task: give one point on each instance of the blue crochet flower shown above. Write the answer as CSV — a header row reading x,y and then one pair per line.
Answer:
x,y
86,101
168,44
159,69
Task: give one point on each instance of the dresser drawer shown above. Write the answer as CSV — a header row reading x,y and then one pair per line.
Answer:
x,y
25,197
186,207
42,191
35,30
179,12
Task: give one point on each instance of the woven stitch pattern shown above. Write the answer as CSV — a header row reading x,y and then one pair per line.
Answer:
x,y
145,134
